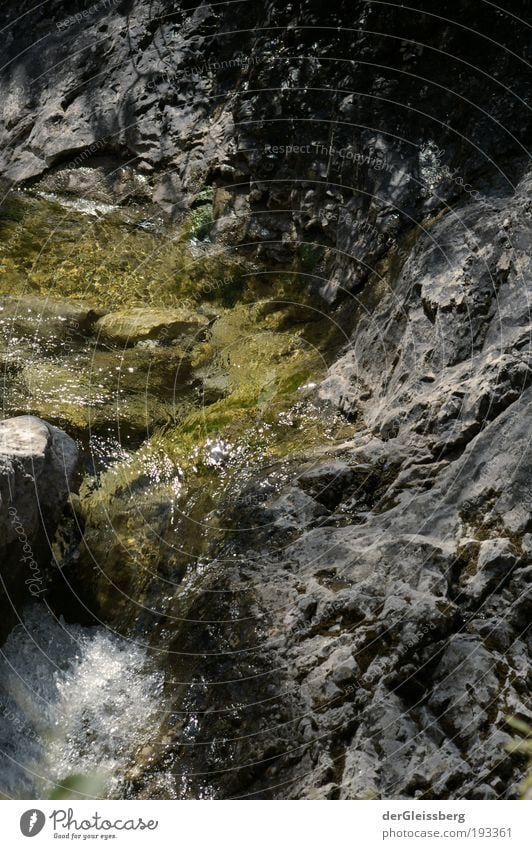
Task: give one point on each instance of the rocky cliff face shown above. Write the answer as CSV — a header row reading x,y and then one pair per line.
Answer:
x,y
290,112
361,627
390,575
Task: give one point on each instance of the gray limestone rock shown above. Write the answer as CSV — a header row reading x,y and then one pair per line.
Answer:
x,y
37,472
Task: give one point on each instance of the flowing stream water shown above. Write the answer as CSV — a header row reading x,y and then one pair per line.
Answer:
x,y
79,700
74,701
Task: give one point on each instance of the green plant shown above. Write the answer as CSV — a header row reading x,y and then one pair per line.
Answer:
x,y
200,220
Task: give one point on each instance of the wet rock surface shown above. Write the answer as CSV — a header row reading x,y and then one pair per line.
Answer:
x,y
141,324
46,319
61,362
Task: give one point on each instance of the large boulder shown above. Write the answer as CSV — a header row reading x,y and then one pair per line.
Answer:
x,y
37,469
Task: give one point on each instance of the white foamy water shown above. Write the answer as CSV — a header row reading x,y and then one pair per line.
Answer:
x,y
73,700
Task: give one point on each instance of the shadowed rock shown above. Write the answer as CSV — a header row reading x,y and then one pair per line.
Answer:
x,y
37,468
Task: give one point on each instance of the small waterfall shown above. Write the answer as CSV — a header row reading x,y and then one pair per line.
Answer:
x,y
73,701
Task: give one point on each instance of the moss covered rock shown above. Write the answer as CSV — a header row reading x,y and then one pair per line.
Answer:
x,y
128,327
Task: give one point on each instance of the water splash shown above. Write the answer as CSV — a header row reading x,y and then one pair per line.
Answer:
x,y
73,700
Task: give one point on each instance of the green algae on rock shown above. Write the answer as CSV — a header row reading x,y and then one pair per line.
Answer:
x,y
153,517
47,318
139,324
94,390
110,258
